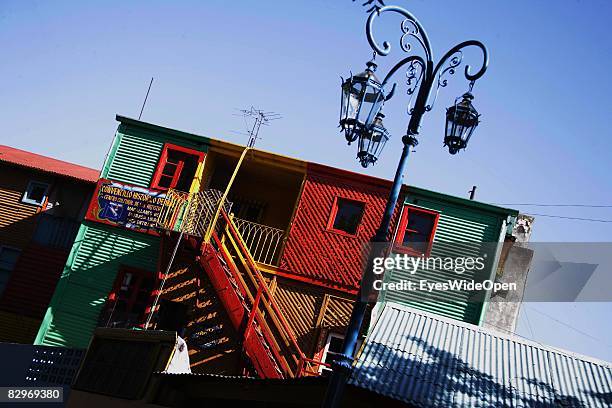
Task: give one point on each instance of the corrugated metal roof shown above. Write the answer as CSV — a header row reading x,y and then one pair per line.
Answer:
x,y
431,361
47,164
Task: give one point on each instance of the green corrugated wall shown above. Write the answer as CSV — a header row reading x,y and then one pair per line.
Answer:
x,y
135,160
461,231
99,250
97,254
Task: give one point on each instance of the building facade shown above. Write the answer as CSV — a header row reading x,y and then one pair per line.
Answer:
x,y
253,257
42,201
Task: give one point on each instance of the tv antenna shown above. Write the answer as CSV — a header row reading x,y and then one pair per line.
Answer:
x,y
254,119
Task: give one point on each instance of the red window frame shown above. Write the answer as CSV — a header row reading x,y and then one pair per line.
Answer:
x,y
401,230
139,275
334,212
163,160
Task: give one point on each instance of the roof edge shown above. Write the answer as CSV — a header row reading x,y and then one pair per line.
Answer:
x,y
324,168
493,332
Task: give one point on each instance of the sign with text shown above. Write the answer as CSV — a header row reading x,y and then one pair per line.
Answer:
x,y
127,206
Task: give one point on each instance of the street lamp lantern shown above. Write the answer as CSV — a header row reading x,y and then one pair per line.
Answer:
x,y
461,121
372,141
362,98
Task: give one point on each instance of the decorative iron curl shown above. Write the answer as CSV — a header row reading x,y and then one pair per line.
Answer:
x,y
428,75
458,49
414,75
412,78
453,63
449,63
410,28
442,78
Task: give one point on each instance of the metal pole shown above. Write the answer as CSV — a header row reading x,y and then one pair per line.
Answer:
x,y
145,99
211,227
342,365
472,192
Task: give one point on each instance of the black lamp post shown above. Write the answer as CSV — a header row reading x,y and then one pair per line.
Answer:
x,y
363,97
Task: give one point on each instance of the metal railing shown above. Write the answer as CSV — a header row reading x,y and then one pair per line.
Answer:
x,y
264,242
172,210
264,313
190,213
193,213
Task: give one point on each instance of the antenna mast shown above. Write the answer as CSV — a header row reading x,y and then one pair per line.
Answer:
x,y
145,99
259,118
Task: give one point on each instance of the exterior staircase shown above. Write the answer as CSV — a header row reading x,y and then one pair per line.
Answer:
x,y
267,338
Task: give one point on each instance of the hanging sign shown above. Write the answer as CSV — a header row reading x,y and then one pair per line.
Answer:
x,y
127,206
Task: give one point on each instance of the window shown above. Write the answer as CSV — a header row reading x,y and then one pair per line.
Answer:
x,y
346,216
416,230
248,209
176,168
127,302
36,193
8,259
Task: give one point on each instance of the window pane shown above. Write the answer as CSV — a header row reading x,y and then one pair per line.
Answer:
x,y
165,181
348,215
418,230
35,193
169,169
133,293
190,165
178,170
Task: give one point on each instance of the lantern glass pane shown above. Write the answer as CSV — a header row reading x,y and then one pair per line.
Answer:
x,y
372,103
450,126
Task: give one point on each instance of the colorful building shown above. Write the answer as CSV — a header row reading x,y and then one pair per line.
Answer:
x,y
42,202
255,258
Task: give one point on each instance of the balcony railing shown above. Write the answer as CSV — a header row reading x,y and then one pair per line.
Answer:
x,y
264,242
193,213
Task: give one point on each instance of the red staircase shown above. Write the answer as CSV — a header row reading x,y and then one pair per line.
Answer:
x,y
268,340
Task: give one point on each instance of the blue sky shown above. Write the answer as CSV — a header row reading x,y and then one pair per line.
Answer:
x,y
69,67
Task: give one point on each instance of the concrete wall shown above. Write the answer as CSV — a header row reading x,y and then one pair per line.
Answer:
x,y
504,307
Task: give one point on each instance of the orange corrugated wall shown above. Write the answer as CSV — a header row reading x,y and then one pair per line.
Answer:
x,y
17,219
314,252
33,281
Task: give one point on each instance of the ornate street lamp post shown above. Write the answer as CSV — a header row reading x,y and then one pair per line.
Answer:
x,y
363,97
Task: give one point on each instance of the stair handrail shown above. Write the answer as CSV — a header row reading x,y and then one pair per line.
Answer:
x,y
285,327
260,279
252,312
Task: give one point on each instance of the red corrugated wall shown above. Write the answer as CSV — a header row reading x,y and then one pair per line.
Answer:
x,y
314,252
33,281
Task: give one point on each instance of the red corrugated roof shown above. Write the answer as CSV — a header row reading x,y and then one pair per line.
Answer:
x,y
47,164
